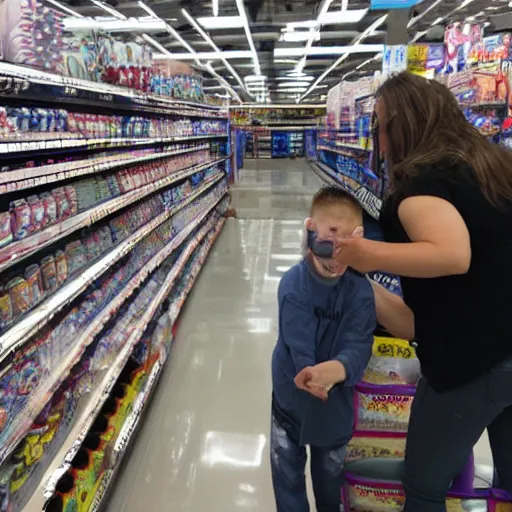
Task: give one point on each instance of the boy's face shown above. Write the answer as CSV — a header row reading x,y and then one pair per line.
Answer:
x,y
332,222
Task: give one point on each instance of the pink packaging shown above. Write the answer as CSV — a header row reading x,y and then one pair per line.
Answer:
x,y
92,246
49,273
63,207
70,192
21,219
382,408
6,236
50,208
35,283
61,264
37,213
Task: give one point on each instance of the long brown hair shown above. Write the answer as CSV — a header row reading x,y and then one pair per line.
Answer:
x,y
425,126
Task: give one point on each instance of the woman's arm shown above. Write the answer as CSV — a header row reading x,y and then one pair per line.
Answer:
x,y
393,313
440,243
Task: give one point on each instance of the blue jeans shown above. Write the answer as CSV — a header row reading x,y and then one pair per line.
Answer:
x,y
444,428
288,461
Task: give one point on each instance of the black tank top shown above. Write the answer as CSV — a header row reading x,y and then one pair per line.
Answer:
x,y
463,324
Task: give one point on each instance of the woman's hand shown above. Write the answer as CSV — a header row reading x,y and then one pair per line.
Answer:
x,y
319,379
354,252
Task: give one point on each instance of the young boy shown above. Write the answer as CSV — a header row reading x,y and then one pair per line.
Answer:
x,y
326,315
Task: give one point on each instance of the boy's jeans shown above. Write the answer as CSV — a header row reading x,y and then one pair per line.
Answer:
x,y
443,429
288,461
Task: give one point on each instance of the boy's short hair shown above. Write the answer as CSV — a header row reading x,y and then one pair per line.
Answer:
x,y
332,194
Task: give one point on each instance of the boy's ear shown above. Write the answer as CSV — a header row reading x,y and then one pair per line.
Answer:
x,y
358,232
308,224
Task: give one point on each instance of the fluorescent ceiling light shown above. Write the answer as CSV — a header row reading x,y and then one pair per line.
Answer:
x,y
305,77
342,17
294,89
215,7
368,31
301,24
293,84
298,37
437,21
209,40
255,60
218,22
297,73
329,50
255,78
464,4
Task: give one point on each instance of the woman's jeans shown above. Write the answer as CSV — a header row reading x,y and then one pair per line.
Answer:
x,y
288,460
444,428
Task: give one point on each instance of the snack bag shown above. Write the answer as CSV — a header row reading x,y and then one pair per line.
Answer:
x,y
375,446
6,236
19,294
383,408
393,361
21,219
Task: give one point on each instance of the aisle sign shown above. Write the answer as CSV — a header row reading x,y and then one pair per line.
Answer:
x,y
394,59
393,4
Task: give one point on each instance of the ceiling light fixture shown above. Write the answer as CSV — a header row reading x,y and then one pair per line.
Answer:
x,y
208,67
235,54
342,17
215,7
255,78
247,28
304,77
210,41
218,22
298,37
369,31
294,84
329,50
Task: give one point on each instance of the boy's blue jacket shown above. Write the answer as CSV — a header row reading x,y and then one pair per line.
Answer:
x,y
319,320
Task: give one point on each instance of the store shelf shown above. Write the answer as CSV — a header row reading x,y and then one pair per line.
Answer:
x,y
103,387
14,148
40,397
142,399
368,200
30,177
344,149
14,337
21,249
23,83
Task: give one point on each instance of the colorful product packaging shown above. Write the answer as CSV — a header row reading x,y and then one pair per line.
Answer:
x,y
377,445
383,408
393,361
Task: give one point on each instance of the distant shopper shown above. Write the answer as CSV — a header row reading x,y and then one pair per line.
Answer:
x,y
326,316
448,229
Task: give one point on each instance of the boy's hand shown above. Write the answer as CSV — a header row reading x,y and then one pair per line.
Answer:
x,y
319,379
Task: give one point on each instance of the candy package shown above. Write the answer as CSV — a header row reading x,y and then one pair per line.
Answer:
x,y
37,213
6,236
49,273
76,256
50,207
61,265
6,314
376,446
19,294
500,501
21,219
383,408
393,361
35,283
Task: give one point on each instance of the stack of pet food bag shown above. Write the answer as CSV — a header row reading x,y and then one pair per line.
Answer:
x,y
383,401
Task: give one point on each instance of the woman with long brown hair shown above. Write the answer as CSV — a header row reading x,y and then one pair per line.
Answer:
x,y
447,222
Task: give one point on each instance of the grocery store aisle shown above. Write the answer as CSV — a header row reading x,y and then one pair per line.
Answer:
x,y
203,444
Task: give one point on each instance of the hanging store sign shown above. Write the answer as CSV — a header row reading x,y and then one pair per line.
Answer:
x,y
393,4
394,59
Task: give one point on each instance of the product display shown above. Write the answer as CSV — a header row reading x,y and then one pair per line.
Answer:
x,y
105,221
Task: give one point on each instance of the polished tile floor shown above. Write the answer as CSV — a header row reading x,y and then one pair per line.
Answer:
x,y
203,445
